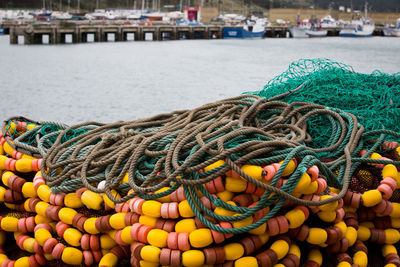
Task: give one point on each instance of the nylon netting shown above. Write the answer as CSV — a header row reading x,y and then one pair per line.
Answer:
x,y
374,98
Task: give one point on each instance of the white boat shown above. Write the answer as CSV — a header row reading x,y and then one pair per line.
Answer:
x,y
134,16
100,14
175,15
110,15
328,22
61,15
24,15
393,31
299,31
15,14
358,28
281,22
232,18
361,27
316,33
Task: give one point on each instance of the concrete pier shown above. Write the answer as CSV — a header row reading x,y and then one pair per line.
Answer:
x,y
277,31
81,33
57,34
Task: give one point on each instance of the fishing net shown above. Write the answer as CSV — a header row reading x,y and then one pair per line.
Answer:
x,y
296,168
373,98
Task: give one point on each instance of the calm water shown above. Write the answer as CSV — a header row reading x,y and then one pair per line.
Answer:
x,y
125,81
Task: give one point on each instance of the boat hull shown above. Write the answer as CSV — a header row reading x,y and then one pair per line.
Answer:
x,y
367,31
355,34
298,32
154,18
317,34
241,33
391,32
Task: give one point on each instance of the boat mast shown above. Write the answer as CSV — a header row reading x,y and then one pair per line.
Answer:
x,y
313,13
330,9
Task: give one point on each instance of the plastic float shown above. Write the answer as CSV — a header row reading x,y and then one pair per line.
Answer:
x,y
255,180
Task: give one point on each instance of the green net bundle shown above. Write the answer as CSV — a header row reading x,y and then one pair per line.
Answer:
x,y
251,181
373,98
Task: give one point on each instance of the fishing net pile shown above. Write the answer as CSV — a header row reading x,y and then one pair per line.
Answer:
x,y
287,176
373,98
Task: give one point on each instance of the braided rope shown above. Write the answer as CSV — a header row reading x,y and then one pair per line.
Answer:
x,y
170,150
203,135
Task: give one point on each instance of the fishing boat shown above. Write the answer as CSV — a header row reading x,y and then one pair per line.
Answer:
x,y
316,33
250,29
316,30
393,31
24,15
361,27
100,14
328,22
154,16
299,31
57,15
42,15
134,16
358,28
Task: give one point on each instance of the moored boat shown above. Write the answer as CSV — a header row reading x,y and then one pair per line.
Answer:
x,y
393,31
154,16
316,30
248,30
328,22
316,33
61,15
358,28
299,31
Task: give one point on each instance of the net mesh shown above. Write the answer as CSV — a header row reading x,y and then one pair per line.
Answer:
x,y
374,98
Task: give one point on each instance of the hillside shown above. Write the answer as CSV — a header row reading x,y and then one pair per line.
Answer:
x,y
224,5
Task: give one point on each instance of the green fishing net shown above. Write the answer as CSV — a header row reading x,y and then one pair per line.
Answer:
x,y
373,98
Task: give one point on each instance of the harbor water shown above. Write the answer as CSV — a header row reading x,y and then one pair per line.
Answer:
x,y
129,80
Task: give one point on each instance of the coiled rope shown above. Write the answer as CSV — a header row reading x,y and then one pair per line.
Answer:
x,y
173,149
